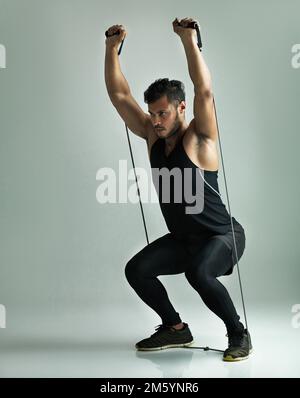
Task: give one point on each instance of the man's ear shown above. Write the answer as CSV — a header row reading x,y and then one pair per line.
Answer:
x,y
182,106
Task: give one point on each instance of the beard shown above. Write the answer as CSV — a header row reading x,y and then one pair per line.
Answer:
x,y
175,127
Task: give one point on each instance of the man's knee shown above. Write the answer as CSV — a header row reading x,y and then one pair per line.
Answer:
x,y
131,269
198,277
138,267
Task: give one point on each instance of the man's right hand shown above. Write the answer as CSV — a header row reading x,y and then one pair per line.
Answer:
x,y
114,40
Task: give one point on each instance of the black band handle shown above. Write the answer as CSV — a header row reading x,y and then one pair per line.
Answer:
x,y
116,33
194,25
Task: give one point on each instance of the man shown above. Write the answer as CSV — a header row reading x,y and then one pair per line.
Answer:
x,y
199,244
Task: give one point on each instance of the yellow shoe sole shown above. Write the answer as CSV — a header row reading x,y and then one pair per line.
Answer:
x,y
165,346
229,358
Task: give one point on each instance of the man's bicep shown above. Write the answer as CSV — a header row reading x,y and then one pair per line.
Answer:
x,y
132,114
204,114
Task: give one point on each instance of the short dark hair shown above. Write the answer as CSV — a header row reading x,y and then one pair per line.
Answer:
x,y
173,89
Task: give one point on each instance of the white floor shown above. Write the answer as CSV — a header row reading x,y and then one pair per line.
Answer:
x,y
97,344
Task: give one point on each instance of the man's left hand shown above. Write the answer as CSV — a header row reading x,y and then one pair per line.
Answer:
x,y
183,30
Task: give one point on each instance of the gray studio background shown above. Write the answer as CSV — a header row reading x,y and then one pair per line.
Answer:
x,y
63,254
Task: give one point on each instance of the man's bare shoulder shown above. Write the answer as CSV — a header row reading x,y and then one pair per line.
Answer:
x,y
201,151
151,135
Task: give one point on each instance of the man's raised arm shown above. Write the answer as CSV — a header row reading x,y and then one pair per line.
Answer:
x,y
118,89
204,114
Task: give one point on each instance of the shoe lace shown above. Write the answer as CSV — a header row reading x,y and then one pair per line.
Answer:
x,y
235,339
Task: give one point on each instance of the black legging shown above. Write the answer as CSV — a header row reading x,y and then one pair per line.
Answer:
x,y
201,261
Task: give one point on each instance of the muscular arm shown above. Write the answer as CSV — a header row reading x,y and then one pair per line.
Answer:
x,y
116,83
205,123
120,95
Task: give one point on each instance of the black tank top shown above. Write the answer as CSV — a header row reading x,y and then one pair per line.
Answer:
x,y
213,219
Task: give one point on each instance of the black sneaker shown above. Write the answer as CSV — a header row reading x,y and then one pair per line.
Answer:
x,y
166,337
239,347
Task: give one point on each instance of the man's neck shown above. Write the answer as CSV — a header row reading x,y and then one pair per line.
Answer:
x,y
172,141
